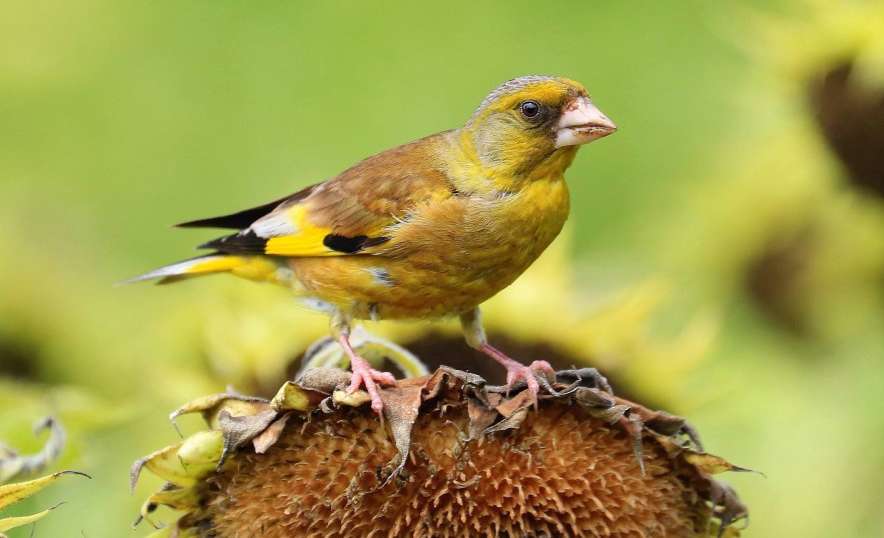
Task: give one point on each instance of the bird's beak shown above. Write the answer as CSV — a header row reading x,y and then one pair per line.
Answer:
x,y
582,122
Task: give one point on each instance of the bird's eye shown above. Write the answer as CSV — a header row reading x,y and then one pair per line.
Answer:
x,y
529,109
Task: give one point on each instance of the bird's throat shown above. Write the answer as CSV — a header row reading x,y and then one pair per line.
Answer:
x,y
507,168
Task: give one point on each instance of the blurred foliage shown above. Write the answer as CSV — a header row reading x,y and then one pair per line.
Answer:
x,y
722,257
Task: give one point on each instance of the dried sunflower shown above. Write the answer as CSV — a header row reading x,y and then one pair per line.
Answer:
x,y
455,457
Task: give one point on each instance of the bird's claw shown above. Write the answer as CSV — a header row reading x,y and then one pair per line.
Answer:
x,y
516,372
366,376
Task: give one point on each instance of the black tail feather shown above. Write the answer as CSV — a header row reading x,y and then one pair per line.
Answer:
x,y
241,243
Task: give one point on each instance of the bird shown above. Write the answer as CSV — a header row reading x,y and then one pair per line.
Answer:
x,y
429,229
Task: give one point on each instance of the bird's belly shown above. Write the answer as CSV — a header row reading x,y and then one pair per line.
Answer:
x,y
450,271
405,289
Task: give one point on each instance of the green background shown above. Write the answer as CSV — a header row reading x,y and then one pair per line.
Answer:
x,y
120,118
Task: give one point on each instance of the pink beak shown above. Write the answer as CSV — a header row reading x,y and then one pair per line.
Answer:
x,y
581,122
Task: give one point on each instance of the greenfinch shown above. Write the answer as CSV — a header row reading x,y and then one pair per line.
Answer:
x,y
429,229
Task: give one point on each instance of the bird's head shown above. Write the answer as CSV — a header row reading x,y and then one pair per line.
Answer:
x,y
533,125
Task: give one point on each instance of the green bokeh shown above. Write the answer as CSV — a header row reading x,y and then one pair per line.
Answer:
x,y
120,118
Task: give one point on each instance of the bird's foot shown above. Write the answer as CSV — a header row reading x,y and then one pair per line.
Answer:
x,y
366,376
516,371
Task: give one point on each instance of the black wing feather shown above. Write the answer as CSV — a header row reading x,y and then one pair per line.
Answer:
x,y
243,219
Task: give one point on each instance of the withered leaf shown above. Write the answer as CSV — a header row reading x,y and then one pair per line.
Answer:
x,y
401,405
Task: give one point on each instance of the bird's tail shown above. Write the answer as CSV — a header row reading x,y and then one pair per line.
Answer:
x,y
248,266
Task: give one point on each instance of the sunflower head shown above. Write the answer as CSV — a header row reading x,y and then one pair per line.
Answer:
x,y
453,457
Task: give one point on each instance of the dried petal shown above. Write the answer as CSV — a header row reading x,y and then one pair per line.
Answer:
x,y
269,436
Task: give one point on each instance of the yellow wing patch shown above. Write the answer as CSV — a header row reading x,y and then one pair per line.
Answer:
x,y
299,245
307,241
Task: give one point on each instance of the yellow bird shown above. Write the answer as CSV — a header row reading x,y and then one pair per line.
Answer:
x,y
429,229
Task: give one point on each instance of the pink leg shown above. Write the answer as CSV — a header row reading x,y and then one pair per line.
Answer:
x,y
516,370
365,375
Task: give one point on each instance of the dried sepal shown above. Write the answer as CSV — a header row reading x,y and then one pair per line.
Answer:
x,y
13,493
171,496
183,463
323,380
712,464
290,397
239,430
211,406
9,523
201,453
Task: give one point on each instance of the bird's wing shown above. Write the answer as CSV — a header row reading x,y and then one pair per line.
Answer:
x,y
349,214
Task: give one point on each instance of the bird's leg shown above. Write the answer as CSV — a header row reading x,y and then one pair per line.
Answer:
x,y
363,373
474,334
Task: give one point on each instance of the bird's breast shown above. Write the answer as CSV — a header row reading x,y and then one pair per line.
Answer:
x,y
446,258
